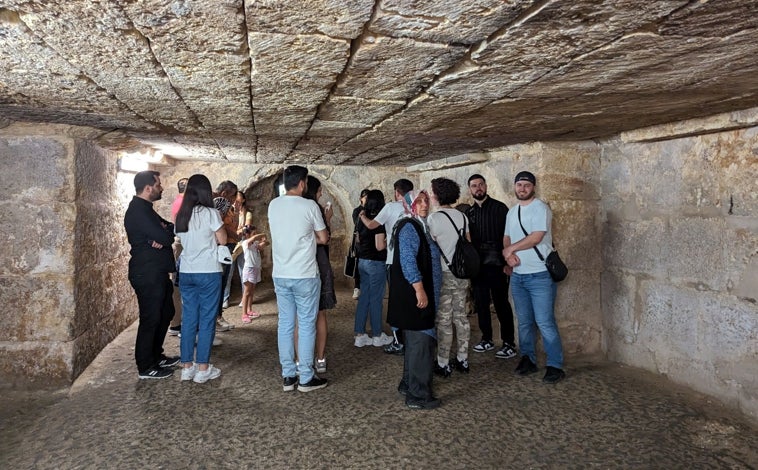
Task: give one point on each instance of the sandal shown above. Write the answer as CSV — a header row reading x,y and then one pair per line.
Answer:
x,y
246,318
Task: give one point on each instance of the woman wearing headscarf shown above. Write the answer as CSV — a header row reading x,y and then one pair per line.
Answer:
x,y
201,230
415,281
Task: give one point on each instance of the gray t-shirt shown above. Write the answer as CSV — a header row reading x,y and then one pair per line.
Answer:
x,y
443,232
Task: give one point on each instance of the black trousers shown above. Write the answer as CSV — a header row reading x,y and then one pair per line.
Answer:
x,y
492,284
156,309
226,271
418,365
398,333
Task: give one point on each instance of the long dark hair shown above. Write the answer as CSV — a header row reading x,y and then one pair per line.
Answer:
x,y
198,193
310,193
374,203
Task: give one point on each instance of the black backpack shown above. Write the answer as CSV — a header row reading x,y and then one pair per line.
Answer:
x,y
465,262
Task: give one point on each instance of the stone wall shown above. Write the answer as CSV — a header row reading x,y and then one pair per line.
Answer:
x,y
680,255
568,180
58,210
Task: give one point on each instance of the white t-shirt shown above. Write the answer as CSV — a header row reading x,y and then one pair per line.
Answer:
x,y
389,214
293,221
199,245
536,217
252,253
443,232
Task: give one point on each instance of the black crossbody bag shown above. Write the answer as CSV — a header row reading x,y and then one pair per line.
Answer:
x,y
555,265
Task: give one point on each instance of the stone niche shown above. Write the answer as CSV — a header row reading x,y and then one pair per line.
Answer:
x,y
63,276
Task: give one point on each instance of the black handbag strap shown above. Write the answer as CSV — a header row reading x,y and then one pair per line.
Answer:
x,y
542,258
460,234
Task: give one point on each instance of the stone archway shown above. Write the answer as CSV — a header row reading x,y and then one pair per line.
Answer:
x,y
261,191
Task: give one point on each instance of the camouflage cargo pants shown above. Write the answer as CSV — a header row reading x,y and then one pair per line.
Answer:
x,y
452,311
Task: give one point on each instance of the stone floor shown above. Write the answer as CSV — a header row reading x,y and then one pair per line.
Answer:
x,y
604,415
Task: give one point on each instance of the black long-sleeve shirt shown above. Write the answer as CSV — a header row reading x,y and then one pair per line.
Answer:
x,y
487,224
143,226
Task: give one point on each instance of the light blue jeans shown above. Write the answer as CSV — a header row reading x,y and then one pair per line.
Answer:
x,y
200,297
373,282
297,300
534,299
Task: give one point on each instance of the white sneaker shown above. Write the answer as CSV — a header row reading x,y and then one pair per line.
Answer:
x,y
240,305
363,340
225,304
382,340
188,373
202,376
356,293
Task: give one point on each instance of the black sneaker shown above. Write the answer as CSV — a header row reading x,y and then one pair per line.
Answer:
x,y
402,388
168,361
289,383
553,375
395,348
175,330
461,366
156,373
314,384
525,366
443,372
416,404
506,352
484,346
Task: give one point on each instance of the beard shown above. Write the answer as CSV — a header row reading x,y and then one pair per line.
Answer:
x,y
480,197
525,198
156,196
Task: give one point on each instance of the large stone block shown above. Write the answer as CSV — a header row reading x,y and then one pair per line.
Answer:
x,y
37,308
36,364
36,168
578,312
620,310
635,246
39,238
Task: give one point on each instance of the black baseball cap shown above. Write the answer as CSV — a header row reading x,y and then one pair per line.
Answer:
x,y
526,176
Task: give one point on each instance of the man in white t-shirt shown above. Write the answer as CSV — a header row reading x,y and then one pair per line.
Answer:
x,y
527,229
388,216
296,226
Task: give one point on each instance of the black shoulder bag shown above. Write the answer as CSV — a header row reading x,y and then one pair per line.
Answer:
x,y
554,264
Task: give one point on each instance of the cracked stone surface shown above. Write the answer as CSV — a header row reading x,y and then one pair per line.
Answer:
x,y
603,415
381,82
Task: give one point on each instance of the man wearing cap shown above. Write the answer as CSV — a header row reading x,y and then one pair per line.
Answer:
x,y
532,288
152,259
486,223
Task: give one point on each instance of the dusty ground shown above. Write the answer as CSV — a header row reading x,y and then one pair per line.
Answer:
x,y
604,415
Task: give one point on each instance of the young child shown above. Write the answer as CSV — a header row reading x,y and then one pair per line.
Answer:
x,y
251,243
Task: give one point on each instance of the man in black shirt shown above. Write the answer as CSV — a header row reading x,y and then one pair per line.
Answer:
x,y
487,224
152,259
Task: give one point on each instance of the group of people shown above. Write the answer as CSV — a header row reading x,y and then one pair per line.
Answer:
x,y
427,302
403,244
188,250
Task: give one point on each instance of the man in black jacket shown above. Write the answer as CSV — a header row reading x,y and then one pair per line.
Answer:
x,y
152,259
487,225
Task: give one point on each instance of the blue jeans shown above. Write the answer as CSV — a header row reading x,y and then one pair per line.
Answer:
x,y
297,300
534,299
200,296
373,283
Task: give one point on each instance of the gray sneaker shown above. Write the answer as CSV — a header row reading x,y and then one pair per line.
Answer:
x,y
222,324
321,366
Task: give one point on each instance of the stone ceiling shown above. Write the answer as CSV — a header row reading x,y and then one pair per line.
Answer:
x,y
370,82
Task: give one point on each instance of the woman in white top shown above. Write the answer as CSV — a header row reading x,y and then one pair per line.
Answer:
x,y
201,230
